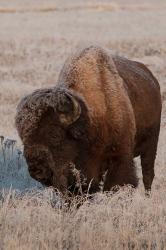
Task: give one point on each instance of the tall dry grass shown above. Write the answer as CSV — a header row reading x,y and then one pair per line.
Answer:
x,y
125,220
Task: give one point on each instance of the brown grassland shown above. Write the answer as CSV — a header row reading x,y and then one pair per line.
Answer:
x,y
35,39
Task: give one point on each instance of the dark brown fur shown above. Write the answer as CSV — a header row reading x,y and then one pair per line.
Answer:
x,y
120,119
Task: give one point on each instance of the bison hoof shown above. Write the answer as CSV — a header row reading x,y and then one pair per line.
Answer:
x,y
148,193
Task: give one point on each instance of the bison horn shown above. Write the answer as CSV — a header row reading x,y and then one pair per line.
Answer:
x,y
69,109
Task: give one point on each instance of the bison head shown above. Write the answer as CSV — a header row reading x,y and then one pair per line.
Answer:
x,y
53,124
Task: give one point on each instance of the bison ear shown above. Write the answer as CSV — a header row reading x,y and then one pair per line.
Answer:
x,y
68,108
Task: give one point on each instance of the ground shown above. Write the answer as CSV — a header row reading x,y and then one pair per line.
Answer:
x,y
35,39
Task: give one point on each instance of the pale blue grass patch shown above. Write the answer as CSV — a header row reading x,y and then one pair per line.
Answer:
x,y
13,168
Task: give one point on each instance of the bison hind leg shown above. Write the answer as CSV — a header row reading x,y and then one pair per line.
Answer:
x,y
148,156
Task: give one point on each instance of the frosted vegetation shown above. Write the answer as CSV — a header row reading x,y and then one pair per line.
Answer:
x,y
13,168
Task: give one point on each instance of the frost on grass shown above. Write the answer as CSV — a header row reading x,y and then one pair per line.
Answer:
x,y
125,220
13,168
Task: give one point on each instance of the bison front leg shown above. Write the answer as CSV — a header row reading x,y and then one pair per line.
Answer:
x,y
121,172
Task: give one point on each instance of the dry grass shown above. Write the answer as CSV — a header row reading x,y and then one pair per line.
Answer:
x,y
121,221
90,6
33,47
28,9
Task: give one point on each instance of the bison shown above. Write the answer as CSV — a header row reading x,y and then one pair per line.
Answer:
x,y
104,111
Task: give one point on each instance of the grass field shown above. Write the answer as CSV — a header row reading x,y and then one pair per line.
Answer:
x,y
35,39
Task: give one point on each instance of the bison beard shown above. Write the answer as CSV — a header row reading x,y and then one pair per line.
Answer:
x,y
104,111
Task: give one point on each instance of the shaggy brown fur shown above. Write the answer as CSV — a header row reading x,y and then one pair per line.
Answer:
x,y
104,111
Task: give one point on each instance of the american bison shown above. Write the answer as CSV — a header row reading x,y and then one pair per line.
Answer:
x,y
104,111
